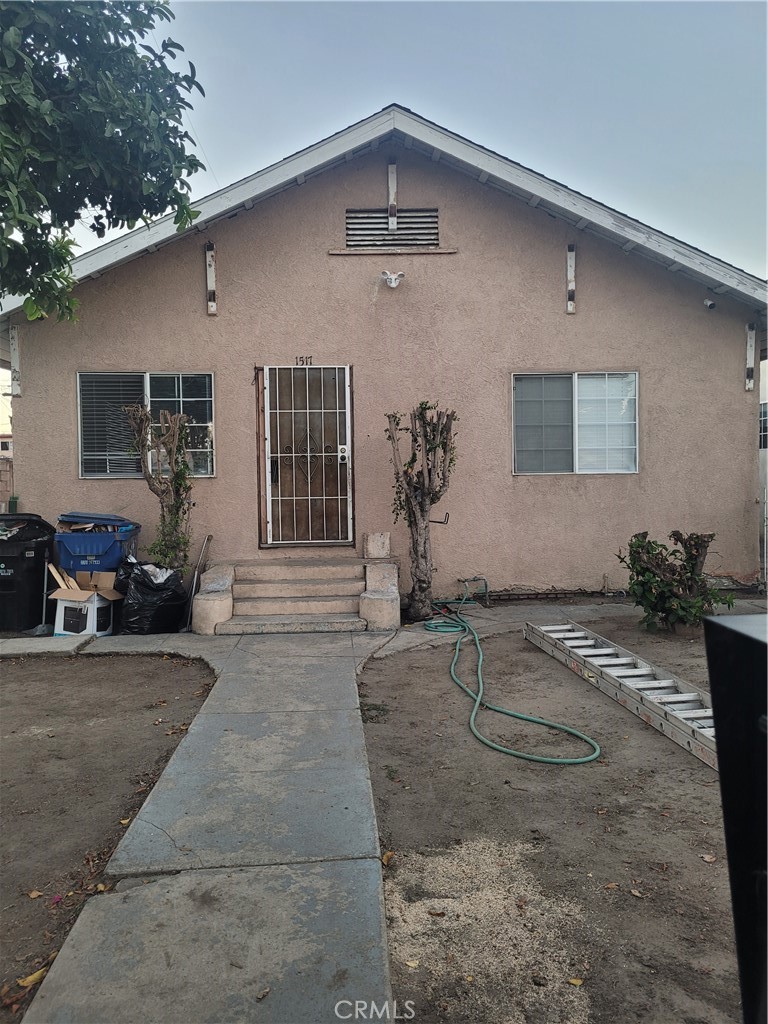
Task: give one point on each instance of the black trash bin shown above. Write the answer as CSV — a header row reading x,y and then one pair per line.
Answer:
x,y
26,545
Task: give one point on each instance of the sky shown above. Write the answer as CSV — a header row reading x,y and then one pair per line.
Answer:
x,y
657,109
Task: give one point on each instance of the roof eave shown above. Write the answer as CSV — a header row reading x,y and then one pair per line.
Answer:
x,y
584,212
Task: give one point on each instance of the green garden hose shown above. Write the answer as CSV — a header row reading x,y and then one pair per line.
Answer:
x,y
454,622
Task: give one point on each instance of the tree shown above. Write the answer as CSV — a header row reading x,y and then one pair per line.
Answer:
x,y
90,122
669,584
162,448
420,482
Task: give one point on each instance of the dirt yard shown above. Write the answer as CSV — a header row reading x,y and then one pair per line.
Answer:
x,y
83,741
522,893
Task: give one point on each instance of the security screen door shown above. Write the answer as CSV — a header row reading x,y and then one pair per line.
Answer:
x,y
308,448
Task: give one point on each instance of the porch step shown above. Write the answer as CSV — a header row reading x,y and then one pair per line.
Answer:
x,y
319,605
336,568
294,587
240,625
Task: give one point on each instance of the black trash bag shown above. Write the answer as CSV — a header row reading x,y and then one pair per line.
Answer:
x,y
154,602
123,573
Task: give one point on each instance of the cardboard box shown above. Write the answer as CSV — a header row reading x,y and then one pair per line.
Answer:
x,y
85,604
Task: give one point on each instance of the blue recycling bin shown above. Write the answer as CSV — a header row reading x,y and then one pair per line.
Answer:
x,y
96,551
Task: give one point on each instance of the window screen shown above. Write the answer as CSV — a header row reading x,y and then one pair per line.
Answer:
x,y
600,438
544,424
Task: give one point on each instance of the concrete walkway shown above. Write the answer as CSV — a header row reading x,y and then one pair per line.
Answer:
x,y
251,880
251,884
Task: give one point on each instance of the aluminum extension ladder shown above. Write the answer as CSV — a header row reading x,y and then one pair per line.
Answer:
x,y
681,712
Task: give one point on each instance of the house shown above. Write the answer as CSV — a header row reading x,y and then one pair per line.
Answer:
x,y
603,372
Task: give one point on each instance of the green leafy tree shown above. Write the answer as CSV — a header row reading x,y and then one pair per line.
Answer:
x,y
90,123
669,584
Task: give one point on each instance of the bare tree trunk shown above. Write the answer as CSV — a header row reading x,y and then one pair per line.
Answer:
x,y
420,483
420,605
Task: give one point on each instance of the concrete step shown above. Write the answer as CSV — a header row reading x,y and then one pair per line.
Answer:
x,y
248,624
300,568
298,588
322,605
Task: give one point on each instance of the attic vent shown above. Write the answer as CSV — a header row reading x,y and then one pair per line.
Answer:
x,y
416,229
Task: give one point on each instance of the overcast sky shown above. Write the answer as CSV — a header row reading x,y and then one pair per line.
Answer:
x,y
657,109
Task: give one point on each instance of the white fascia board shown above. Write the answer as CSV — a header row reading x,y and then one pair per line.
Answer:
x,y
221,203
746,286
581,206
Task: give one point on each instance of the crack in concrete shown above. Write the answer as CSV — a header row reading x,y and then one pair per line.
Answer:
x,y
180,849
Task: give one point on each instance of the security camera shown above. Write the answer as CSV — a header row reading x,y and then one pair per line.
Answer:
x,y
709,303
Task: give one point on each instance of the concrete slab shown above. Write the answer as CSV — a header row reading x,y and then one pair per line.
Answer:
x,y
18,647
194,820
364,644
257,946
213,649
251,684
126,644
290,741
290,623
298,645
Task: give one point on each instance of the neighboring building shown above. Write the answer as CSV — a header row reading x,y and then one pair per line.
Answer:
x,y
6,441
599,368
763,445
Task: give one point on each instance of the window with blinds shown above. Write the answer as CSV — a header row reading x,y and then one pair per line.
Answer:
x,y
575,423
369,229
107,445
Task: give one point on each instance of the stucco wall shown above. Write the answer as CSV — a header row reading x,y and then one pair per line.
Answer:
x,y
454,331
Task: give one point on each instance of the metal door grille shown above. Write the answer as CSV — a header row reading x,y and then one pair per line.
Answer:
x,y
308,448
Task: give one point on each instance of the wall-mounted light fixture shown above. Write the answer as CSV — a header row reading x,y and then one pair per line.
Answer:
x,y
393,280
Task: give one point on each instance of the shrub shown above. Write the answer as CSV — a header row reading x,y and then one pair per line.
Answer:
x,y
668,583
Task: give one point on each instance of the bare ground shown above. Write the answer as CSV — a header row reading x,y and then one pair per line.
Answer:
x,y
522,893
83,741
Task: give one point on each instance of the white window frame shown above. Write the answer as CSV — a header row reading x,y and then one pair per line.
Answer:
x,y
147,398
574,375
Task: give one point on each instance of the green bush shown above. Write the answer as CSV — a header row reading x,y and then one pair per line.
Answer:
x,y
668,583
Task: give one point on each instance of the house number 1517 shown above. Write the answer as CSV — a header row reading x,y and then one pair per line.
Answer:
x,y
303,360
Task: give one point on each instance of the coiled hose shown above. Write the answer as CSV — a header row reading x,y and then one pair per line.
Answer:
x,y
453,622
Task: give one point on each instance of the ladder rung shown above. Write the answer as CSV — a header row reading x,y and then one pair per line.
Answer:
x,y
600,651
566,636
677,698
607,662
657,684
629,673
706,731
579,645
696,713
557,629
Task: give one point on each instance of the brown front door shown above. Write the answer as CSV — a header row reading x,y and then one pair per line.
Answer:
x,y
308,454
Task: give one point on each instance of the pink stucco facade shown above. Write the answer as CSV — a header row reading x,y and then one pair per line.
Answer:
x,y
455,330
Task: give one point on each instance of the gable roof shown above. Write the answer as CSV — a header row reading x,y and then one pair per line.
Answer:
x,y
416,132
